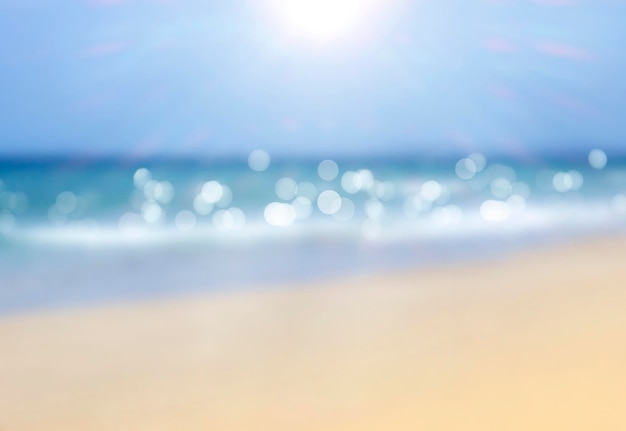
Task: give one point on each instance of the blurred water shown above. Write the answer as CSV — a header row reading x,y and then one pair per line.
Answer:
x,y
73,232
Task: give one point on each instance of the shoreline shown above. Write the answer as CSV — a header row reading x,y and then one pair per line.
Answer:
x,y
534,340
106,274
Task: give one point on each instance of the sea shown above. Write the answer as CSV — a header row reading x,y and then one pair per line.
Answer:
x,y
84,231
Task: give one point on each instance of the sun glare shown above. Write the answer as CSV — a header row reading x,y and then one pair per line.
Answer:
x,y
324,20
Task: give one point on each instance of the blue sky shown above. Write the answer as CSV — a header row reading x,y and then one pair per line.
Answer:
x,y
146,77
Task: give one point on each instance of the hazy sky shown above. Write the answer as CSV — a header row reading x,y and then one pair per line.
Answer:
x,y
144,77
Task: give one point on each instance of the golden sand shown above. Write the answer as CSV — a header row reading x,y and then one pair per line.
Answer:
x,y
535,341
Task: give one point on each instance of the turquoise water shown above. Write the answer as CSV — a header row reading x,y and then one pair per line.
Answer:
x,y
75,232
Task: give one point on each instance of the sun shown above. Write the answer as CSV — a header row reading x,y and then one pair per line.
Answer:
x,y
324,20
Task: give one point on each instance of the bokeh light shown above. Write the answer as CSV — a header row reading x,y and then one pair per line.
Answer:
x,y
329,202
597,159
286,189
201,205
259,160
212,192
141,177
466,169
431,191
328,170
66,202
279,214
152,212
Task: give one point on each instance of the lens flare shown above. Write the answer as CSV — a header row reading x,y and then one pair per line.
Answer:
x,y
324,20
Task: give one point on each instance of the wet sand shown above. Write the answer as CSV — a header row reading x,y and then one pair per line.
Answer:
x,y
534,341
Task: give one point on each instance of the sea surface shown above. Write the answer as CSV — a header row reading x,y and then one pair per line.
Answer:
x,y
76,232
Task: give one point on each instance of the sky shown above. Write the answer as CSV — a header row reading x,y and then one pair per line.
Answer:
x,y
311,78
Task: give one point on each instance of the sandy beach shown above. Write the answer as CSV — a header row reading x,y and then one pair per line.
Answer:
x,y
532,341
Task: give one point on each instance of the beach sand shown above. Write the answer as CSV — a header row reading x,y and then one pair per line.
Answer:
x,y
532,341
